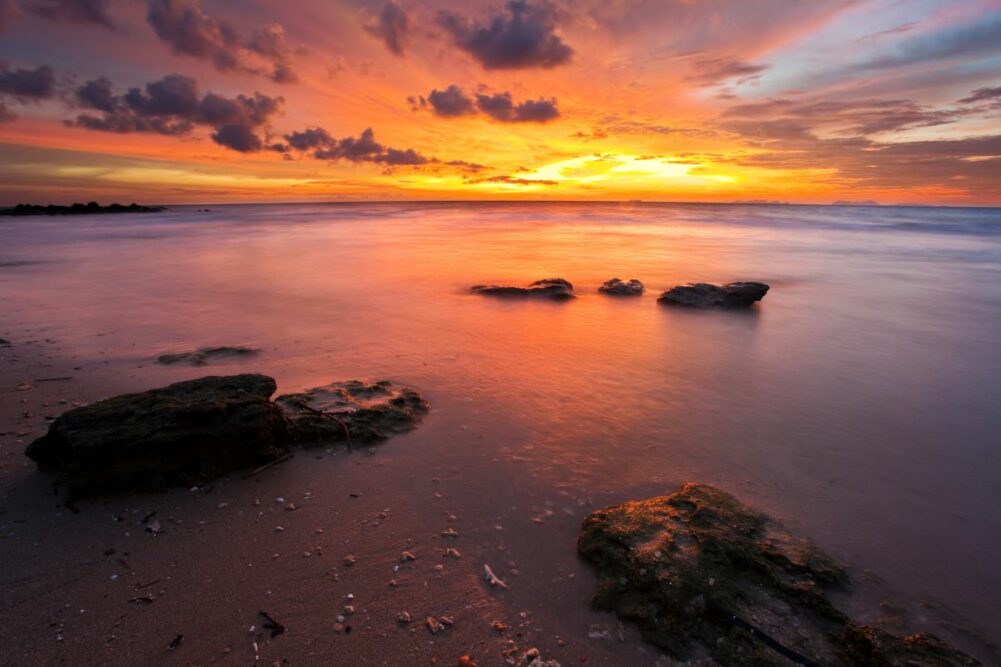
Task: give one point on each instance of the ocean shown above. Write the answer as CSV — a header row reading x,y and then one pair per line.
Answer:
x,y
858,402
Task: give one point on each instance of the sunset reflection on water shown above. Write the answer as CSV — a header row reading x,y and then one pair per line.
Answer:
x,y
855,401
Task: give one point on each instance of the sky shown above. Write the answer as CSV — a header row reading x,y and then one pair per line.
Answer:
x,y
800,101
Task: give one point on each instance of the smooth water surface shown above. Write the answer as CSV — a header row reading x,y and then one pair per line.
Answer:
x,y
859,401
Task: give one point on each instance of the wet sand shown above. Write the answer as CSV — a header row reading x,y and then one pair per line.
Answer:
x,y
114,581
73,582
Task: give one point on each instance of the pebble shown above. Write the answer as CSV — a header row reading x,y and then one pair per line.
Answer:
x,y
350,560
404,617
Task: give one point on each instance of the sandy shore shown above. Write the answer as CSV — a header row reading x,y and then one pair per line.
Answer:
x,y
98,587
119,580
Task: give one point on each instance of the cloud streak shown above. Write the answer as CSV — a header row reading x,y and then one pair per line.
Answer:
x,y
82,12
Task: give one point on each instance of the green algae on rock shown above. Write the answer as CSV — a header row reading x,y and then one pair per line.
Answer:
x,y
705,577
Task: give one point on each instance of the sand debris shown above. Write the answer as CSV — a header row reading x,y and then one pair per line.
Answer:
x,y
492,578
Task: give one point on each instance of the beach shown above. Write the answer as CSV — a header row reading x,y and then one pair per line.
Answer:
x,y
855,403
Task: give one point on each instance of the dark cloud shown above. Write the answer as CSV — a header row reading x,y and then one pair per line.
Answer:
x,y
499,106
185,26
711,71
175,106
173,95
238,137
270,42
523,36
392,27
403,158
451,102
97,94
308,139
84,12
36,84
323,146
983,95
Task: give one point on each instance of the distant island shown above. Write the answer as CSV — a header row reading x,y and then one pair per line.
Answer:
x,y
89,208
845,202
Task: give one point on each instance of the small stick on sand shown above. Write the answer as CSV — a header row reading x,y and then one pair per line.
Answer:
x,y
269,464
492,578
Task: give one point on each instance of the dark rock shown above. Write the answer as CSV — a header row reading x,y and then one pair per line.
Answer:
x,y
865,645
549,288
89,208
697,570
618,287
705,295
203,356
182,434
352,412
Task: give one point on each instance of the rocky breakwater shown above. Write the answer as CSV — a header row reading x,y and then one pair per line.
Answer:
x,y
194,431
706,295
709,580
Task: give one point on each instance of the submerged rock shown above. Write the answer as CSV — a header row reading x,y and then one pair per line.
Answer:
x,y
618,287
181,434
204,355
353,412
706,295
703,575
549,288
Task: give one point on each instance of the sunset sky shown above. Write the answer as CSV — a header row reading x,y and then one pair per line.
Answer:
x,y
165,101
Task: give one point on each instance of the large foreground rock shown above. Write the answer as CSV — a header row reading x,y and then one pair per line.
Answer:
x,y
697,570
178,435
352,412
548,288
705,295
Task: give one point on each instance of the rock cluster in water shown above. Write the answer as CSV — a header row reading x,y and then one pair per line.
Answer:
x,y
89,208
703,576
203,356
194,431
549,288
617,287
706,295
699,295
